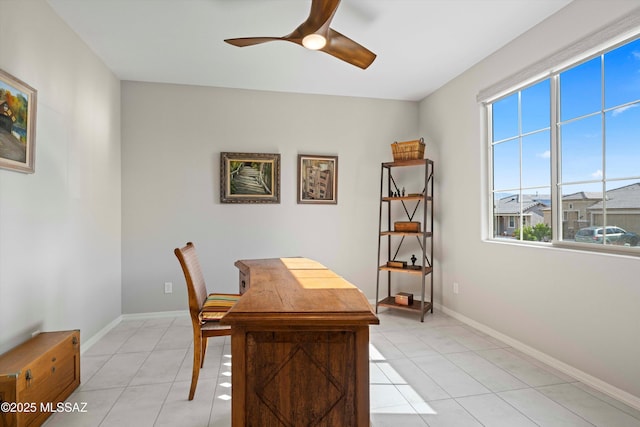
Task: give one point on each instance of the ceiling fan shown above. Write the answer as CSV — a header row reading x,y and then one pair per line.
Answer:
x,y
316,34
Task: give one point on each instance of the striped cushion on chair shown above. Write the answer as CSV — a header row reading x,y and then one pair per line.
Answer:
x,y
216,305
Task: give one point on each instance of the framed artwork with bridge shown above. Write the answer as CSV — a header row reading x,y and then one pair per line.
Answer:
x,y
249,178
17,124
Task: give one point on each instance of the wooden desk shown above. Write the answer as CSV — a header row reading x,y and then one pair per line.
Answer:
x,y
300,346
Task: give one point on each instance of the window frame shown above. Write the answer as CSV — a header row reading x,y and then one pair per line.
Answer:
x,y
555,124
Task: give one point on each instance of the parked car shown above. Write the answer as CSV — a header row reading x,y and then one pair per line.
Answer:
x,y
628,239
597,234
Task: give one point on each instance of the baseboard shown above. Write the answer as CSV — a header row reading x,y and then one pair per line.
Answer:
x,y
86,345
590,380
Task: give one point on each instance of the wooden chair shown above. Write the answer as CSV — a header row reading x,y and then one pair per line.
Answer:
x,y
205,309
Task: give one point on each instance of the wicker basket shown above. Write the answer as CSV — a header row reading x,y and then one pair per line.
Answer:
x,y
408,150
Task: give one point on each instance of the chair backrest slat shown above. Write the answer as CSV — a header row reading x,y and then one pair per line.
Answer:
x,y
196,286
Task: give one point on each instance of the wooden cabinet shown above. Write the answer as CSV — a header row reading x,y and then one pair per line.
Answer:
x,y
300,346
400,211
37,375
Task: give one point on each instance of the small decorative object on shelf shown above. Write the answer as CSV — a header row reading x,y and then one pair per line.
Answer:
x,y
397,264
404,298
408,150
413,259
402,191
406,226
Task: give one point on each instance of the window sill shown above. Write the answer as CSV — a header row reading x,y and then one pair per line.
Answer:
x,y
599,248
572,246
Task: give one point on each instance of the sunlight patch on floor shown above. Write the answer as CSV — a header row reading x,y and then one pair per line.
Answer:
x,y
394,394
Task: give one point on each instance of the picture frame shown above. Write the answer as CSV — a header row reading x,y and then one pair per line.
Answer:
x,y
249,178
17,124
317,179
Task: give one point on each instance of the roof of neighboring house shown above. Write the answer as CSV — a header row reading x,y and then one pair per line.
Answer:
x,y
510,205
583,195
627,197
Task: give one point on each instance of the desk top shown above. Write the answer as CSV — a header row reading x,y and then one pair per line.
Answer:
x,y
298,291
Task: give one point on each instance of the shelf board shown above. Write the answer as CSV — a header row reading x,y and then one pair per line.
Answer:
x,y
406,270
405,233
406,163
388,199
415,307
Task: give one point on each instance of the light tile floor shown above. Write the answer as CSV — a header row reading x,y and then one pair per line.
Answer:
x,y
437,373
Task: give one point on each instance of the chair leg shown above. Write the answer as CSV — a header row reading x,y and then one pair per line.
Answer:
x,y
197,359
204,350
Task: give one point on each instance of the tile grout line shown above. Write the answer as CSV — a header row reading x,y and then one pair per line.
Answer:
x,y
132,376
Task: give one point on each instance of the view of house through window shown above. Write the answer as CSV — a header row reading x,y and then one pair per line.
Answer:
x,y
581,125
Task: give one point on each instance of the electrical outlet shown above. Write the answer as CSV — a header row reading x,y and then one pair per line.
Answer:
x,y
168,287
456,288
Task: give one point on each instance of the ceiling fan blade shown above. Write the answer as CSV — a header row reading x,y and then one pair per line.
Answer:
x,y
319,18
250,41
344,48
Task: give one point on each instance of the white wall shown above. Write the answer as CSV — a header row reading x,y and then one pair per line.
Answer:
x,y
60,227
579,308
172,137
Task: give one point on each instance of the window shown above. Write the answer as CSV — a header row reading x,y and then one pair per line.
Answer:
x,y
521,144
565,154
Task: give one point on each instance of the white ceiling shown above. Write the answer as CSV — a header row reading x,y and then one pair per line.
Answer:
x,y
421,44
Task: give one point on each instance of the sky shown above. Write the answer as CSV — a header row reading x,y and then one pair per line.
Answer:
x,y
586,119
14,91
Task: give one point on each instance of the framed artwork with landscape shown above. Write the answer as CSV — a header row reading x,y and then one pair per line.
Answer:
x,y
249,178
317,179
17,124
